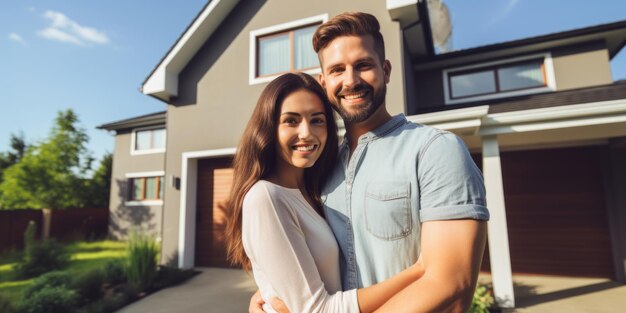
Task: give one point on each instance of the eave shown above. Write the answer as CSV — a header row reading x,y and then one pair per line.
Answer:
x,y
162,83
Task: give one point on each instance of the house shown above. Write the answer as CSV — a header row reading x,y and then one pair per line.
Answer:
x,y
541,116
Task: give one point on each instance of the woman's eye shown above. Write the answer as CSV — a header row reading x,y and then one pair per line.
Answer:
x,y
318,121
290,121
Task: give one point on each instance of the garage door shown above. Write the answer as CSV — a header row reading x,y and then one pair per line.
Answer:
x,y
214,180
556,212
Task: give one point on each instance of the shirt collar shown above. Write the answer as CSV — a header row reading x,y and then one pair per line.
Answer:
x,y
395,122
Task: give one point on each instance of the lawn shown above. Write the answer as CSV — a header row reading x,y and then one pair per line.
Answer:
x,y
84,256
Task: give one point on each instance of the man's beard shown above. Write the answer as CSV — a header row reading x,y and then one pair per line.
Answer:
x,y
364,111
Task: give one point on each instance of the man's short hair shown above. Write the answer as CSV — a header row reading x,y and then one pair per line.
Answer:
x,y
350,24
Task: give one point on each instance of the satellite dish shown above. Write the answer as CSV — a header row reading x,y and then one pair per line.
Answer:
x,y
440,24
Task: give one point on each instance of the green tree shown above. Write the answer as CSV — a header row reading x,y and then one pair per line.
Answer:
x,y
98,188
50,174
18,148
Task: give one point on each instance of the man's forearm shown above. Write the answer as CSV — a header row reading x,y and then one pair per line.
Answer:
x,y
429,294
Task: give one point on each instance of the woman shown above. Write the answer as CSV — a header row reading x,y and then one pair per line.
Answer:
x,y
276,226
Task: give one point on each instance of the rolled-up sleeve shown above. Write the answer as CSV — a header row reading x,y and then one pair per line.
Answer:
x,y
451,185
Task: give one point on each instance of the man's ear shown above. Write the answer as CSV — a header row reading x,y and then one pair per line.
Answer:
x,y
320,79
387,70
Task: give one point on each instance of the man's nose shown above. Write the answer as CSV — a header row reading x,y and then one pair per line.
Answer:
x,y
352,78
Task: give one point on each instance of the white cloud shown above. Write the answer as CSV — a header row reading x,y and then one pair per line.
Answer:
x,y
59,35
66,30
17,38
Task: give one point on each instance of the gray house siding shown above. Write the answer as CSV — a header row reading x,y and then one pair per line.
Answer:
x,y
125,217
574,67
215,99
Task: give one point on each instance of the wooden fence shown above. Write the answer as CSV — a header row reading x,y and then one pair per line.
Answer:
x,y
63,225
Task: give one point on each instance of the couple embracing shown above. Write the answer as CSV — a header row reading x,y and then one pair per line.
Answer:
x,y
393,219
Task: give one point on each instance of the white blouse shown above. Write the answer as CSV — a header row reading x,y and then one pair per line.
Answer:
x,y
293,251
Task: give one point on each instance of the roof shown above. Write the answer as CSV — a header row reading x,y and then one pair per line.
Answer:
x,y
613,34
162,82
614,91
157,118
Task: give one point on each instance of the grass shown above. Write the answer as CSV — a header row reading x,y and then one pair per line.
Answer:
x,y
84,256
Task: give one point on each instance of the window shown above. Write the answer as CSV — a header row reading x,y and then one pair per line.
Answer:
x,y
145,188
148,141
283,48
499,79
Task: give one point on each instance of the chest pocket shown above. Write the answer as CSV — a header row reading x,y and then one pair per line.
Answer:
x,y
388,209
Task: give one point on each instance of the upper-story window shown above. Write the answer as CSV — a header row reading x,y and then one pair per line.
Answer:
x,y
284,48
149,140
500,79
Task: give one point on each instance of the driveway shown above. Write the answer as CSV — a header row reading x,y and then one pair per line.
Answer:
x,y
554,294
229,290
213,290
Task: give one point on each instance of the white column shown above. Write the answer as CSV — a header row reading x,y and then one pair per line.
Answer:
x,y
497,229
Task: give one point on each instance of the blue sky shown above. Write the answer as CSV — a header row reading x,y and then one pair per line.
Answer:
x,y
92,56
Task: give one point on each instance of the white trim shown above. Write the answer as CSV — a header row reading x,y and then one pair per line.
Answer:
x,y
477,121
577,115
252,79
163,82
498,240
145,174
549,67
143,203
188,190
134,151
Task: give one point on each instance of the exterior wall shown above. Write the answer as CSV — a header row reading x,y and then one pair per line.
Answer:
x,y
215,99
123,218
574,67
581,66
429,88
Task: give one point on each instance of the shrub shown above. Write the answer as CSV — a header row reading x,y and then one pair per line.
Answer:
x,y
51,279
170,276
50,299
114,272
41,257
482,301
89,284
6,306
142,261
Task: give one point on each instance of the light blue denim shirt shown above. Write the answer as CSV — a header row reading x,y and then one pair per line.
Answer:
x,y
400,175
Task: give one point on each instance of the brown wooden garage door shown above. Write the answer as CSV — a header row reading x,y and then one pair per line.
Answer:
x,y
556,212
214,180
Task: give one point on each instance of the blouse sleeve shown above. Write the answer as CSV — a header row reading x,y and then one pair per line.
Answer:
x,y
275,244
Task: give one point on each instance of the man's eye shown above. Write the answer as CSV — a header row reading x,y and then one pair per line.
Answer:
x,y
335,70
364,66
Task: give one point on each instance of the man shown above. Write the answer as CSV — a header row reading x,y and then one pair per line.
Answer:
x,y
400,191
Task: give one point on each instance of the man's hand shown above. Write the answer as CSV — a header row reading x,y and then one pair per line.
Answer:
x,y
256,304
279,306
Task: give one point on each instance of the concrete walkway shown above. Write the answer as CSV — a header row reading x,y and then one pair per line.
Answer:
x,y
213,290
228,290
554,294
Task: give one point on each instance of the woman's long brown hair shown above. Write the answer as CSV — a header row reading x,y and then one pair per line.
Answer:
x,y
256,154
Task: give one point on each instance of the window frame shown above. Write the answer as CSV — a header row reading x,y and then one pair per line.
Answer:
x,y
131,177
276,30
133,147
547,68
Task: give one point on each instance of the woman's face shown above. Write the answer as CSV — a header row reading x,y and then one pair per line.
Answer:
x,y
301,129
